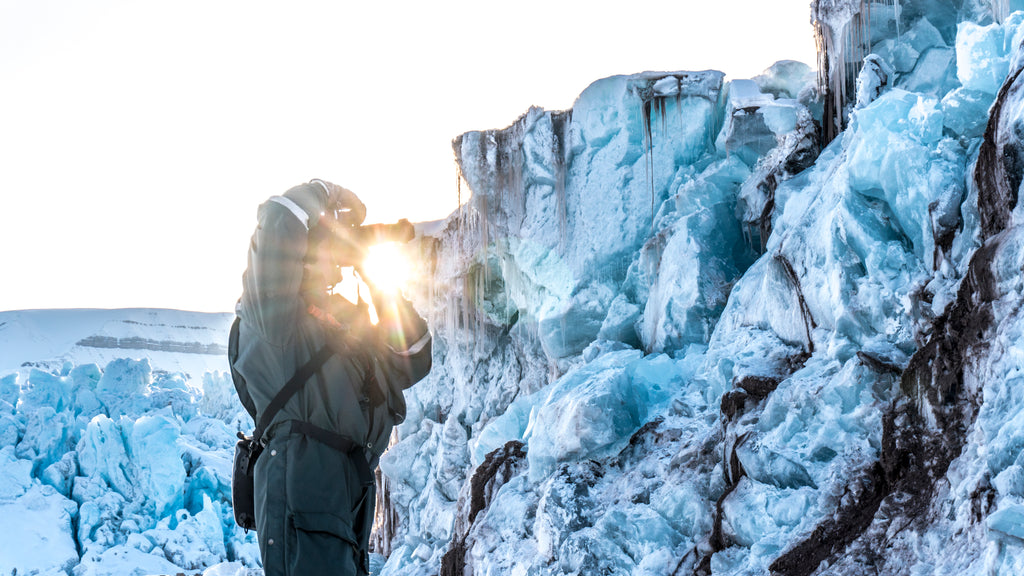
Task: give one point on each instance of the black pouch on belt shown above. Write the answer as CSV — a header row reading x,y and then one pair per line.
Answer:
x,y
247,450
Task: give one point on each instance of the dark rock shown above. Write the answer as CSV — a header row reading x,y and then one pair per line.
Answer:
x,y
758,387
733,403
497,468
1000,166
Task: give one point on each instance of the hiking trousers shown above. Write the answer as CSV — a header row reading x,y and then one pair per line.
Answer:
x,y
314,508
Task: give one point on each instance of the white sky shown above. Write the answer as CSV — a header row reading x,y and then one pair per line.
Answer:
x,y
137,138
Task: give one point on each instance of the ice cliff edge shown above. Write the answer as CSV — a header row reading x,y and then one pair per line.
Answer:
x,y
699,326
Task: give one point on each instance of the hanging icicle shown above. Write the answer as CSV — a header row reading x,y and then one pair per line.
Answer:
x,y
648,142
1000,9
560,122
842,31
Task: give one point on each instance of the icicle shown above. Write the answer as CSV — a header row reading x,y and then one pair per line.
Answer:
x,y
842,40
515,192
458,190
476,301
385,517
1000,9
708,138
559,128
483,223
897,12
648,143
466,312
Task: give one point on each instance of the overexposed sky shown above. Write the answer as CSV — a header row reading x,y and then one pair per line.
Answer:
x,y
137,138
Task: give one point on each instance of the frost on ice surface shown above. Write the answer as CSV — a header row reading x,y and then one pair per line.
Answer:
x,y
585,412
982,53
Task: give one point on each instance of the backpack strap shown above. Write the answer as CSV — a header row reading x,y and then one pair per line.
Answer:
x,y
290,388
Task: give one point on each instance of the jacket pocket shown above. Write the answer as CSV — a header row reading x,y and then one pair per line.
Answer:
x,y
322,543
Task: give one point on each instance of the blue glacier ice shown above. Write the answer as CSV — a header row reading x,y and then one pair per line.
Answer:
x,y
119,470
696,332
584,413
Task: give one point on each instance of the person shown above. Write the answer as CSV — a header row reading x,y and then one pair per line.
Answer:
x,y
313,485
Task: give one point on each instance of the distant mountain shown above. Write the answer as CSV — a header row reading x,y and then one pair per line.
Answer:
x,y
191,343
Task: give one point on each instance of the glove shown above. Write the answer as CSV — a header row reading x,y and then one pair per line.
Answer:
x,y
404,230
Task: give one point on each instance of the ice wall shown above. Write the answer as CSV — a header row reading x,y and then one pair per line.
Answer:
x,y
560,196
954,465
675,336
575,294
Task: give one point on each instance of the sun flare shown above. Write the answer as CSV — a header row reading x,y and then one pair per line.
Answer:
x,y
387,267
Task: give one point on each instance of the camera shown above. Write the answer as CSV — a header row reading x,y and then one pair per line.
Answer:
x,y
347,245
335,245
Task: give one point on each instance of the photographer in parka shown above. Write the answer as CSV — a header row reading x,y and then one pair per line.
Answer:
x,y
313,482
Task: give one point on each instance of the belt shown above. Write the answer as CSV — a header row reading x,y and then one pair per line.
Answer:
x,y
338,442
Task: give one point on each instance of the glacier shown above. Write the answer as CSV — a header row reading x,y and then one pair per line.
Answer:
x,y
706,326
692,325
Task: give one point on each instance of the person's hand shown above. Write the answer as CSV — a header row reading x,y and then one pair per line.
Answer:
x,y
406,231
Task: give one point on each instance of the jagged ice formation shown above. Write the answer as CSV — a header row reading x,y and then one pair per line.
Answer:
x,y
121,467
675,335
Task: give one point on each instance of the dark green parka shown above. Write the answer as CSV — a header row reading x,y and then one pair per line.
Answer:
x,y
314,508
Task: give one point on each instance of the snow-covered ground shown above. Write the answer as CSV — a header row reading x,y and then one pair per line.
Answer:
x,y
679,329
116,434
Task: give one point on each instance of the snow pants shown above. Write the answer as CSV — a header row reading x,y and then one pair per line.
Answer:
x,y
314,508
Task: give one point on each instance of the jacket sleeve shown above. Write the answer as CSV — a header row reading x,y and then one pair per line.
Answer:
x,y
407,341
271,299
